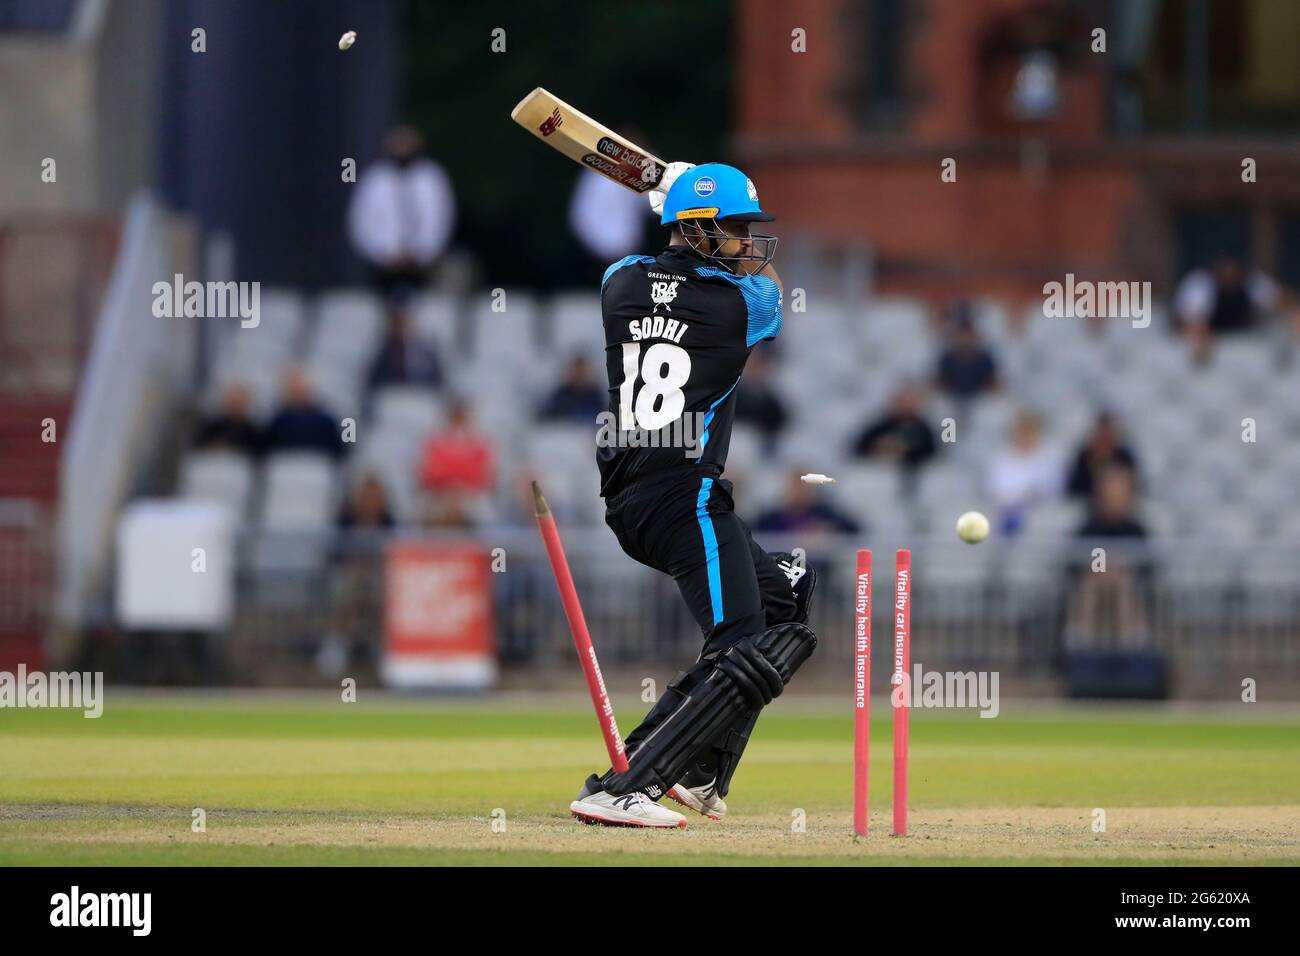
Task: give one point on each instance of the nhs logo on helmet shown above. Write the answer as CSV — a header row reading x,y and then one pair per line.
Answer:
x,y
704,186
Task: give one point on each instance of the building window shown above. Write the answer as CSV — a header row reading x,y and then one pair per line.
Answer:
x,y
1214,66
879,57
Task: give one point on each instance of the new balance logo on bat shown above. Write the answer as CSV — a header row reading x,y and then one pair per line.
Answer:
x,y
551,123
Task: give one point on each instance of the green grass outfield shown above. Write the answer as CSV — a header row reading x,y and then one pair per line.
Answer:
x,y
304,779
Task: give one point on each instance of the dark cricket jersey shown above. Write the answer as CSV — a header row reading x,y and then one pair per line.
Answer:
x,y
677,334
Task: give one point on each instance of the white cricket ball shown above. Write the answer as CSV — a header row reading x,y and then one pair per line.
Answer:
x,y
972,527
347,39
814,478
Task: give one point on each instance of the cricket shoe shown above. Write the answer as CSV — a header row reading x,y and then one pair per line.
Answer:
x,y
628,810
702,799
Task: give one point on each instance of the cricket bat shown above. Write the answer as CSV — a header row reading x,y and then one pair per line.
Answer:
x,y
583,140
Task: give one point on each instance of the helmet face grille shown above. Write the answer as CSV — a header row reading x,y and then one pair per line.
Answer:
x,y
762,247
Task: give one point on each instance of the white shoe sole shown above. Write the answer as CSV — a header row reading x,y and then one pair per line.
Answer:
x,y
594,815
684,797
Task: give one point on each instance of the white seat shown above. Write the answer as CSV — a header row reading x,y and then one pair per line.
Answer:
x,y
281,314
868,489
946,486
993,320
298,493
1128,346
817,439
1245,361
745,453
564,459
1084,362
1228,524
349,327
503,329
955,566
758,490
989,420
1280,398
823,324
435,318
1286,458
222,476
897,330
1159,520
1030,571
1049,334
254,358
337,389
407,409
1166,426
1170,365
279,325
1054,520
895,316
575,324
1193,490
1287,527
1129,395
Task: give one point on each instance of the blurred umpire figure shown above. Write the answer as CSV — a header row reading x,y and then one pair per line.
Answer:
x,y
679,328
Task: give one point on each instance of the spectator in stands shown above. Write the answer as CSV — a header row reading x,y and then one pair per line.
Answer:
x,y
302,424
901,435
966,368
578,399
367,506
1222,299
1023,473
1111,608
804,510
1101,449
757,402
232,428
403,359
356,584
457,469
1112,506
401,214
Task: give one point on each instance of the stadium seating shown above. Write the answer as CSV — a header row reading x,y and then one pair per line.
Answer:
x,y
1200,480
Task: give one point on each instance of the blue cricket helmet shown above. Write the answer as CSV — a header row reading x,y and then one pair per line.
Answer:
x,y
713,191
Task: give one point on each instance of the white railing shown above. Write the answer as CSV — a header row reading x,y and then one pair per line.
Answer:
x,y
1017,607
134,380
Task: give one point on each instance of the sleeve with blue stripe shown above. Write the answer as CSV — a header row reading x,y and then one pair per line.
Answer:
x,y
762,299
625,261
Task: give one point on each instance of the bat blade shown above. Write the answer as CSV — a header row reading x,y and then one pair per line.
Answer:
x,y
583,140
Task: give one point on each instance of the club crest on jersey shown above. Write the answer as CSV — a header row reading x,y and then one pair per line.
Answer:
x,y
663,293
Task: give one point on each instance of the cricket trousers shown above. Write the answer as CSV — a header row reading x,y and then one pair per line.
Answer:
x,y
684,525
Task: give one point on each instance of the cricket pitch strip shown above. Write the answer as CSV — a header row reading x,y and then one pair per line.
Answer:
x,y
1140,835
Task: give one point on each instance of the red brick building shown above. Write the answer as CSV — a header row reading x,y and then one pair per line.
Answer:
x,y
1136,173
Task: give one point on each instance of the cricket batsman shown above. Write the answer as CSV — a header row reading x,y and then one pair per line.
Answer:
x,y
679,328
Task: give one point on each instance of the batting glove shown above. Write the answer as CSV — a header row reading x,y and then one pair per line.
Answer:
x,y
660,192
